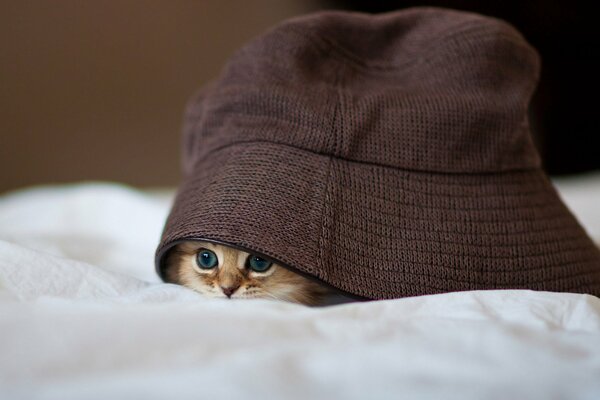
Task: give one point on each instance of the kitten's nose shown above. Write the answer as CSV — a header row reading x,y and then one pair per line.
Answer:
x,y
229,290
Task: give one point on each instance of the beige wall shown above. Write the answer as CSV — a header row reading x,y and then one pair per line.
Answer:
x,y
94,90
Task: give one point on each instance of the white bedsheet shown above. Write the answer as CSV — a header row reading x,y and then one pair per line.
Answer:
x,y
83,316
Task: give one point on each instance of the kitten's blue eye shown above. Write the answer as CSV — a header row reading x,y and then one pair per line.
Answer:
x,y
258,264
206,259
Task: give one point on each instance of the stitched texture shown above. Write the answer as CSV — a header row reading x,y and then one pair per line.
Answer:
x,y
386,155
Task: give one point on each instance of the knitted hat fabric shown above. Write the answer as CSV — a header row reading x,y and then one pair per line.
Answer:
x,y
385,155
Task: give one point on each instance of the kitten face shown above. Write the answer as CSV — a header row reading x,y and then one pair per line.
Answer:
x,y
215,270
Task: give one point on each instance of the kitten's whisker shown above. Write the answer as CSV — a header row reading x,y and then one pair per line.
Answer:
x,y
273,295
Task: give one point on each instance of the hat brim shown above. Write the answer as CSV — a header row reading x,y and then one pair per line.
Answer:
x,y
380,232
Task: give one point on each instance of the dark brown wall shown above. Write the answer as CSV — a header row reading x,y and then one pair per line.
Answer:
x,y
94,90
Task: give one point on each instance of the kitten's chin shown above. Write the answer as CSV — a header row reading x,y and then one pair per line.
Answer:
x,y
249,296
263,295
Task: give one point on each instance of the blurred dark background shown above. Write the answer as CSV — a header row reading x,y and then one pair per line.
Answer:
x,y
95,90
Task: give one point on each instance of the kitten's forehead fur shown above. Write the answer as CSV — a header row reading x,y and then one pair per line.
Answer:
x,y
232,273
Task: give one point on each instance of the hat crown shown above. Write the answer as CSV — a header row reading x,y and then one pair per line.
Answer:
x,y
422,89
388,156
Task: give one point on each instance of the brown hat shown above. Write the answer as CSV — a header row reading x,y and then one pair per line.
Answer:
x,y
386,155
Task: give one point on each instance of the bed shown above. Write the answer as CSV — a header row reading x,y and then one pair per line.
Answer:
x,y
83,316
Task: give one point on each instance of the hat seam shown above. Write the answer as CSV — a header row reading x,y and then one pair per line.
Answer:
x,y
562,239
365,162
504,194
325,199
536,206
419,209
561,228
324,204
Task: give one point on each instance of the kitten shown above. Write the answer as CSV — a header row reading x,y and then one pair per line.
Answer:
x,y
216,270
